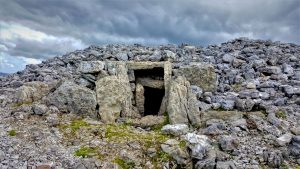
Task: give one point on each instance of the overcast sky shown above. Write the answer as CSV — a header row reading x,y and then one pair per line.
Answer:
x,y
34,30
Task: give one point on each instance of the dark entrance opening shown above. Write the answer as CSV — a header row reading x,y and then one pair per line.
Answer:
x,y
153,99
155,73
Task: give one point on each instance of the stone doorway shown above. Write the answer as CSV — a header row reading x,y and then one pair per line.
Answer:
x,y
148,81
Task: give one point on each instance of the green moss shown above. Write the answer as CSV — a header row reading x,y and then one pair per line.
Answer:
x,y
16,105
85,152
236,87
123,133
77,124
159,158
12,133
182,144
284,166
165,122
281,114
297,166
123,163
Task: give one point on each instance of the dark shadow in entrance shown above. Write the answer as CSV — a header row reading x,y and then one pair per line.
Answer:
x,y
153,99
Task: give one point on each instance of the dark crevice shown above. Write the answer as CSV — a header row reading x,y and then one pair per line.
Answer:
x,y
153,100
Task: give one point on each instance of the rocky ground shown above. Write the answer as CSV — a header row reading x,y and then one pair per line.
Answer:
x,y
251,119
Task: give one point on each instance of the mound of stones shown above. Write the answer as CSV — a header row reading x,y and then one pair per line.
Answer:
x,y
217,87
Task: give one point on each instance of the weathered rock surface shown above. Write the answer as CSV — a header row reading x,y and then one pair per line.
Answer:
x,y
113,97
70,97
31,91
202,75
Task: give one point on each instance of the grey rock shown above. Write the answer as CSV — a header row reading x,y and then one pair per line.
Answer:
x,y
284,139
273,158
2,155
122,56
244,104
203,106
228,104
70,97
171,147
225,165
288,69
228,143
91,66
39,109
296,130
201,75
227,58
31,91
271,70
294,147
175,129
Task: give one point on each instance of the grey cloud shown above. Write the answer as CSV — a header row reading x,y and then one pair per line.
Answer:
x,y
154,21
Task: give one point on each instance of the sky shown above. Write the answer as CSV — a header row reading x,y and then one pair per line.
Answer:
x,y
35,30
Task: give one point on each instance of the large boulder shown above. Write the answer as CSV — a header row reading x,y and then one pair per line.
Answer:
x,y
199,74
182,105
31,91
113,96
70,97
91,66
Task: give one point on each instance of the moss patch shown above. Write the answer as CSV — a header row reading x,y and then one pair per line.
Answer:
x,y
123,163
12,133
85,152
17,105
281,114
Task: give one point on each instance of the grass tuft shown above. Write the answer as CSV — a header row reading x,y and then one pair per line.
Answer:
x,y
123,163
85,152
12,133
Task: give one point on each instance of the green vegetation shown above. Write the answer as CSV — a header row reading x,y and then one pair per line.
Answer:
x,y
12,133
123,163
297,166
284,166
165,122
281,114
122,133
85,152
17,105
236,87
182,144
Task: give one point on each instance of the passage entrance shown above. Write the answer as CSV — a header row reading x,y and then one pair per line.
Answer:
x,y
153,99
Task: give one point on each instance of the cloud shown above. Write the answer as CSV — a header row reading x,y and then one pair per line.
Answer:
x,y
42,29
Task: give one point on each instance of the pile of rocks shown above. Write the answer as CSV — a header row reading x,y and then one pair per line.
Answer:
x,y
247,92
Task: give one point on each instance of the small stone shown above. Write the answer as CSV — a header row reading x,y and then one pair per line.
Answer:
x,y
251,85
296,130
175,129
2,155
227,58
284,139
39,109
228,143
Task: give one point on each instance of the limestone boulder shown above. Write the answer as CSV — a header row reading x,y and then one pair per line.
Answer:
x,y
31,91
73,98
178,103
91,66
114,98
182,103
199,74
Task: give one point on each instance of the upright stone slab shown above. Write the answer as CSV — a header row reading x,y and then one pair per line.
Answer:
x,y
139,97
200,74
114,94
181,105
177,104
